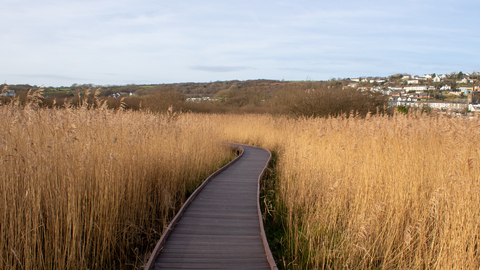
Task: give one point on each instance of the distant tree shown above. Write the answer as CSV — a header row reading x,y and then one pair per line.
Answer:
x,y
320,100
161,100
453,84
402,109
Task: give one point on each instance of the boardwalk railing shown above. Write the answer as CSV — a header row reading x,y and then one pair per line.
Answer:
x,y
223,228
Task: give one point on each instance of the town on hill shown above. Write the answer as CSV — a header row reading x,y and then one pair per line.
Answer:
x,y
455,91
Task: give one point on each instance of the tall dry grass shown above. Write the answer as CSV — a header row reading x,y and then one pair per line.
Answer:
x,y
373,193
83,188
92,189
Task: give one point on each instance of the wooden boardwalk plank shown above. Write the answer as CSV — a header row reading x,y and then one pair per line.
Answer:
x,y
220,228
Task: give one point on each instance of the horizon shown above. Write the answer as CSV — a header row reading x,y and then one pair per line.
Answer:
x,y
105,42
263,79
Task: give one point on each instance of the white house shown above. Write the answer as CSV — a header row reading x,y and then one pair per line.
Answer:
x,y
474,107
386,92
445,87
465,80
442,105
412,81
395,88
415,88
9,93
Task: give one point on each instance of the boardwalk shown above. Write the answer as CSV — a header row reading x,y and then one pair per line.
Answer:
x,y
220,229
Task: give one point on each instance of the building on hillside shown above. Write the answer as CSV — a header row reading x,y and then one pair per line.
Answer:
x,y
396,94
474,97
9,93
474,107
395,88
445,87
436,104
386,92
443,105
415,88
419,95
412,81
465,80
466,89
455,92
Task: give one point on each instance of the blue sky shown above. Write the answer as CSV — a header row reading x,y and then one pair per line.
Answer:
x,y
55,43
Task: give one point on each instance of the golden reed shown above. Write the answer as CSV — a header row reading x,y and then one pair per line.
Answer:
x,y
87,189
379,192
82,188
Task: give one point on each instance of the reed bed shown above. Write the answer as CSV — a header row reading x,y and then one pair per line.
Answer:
x,y
93,188
87,188
379,192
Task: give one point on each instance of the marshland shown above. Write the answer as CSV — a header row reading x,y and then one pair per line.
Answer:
x,y
90,182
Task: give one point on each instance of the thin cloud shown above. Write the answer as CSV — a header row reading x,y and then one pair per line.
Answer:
x,y
299,69
219,68
47,76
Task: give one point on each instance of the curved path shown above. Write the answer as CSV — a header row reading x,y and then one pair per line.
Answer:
x,y
221,226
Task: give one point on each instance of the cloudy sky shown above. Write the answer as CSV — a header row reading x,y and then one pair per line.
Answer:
x,y
61,42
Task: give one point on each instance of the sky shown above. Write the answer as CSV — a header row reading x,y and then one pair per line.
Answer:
x,y
118,42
